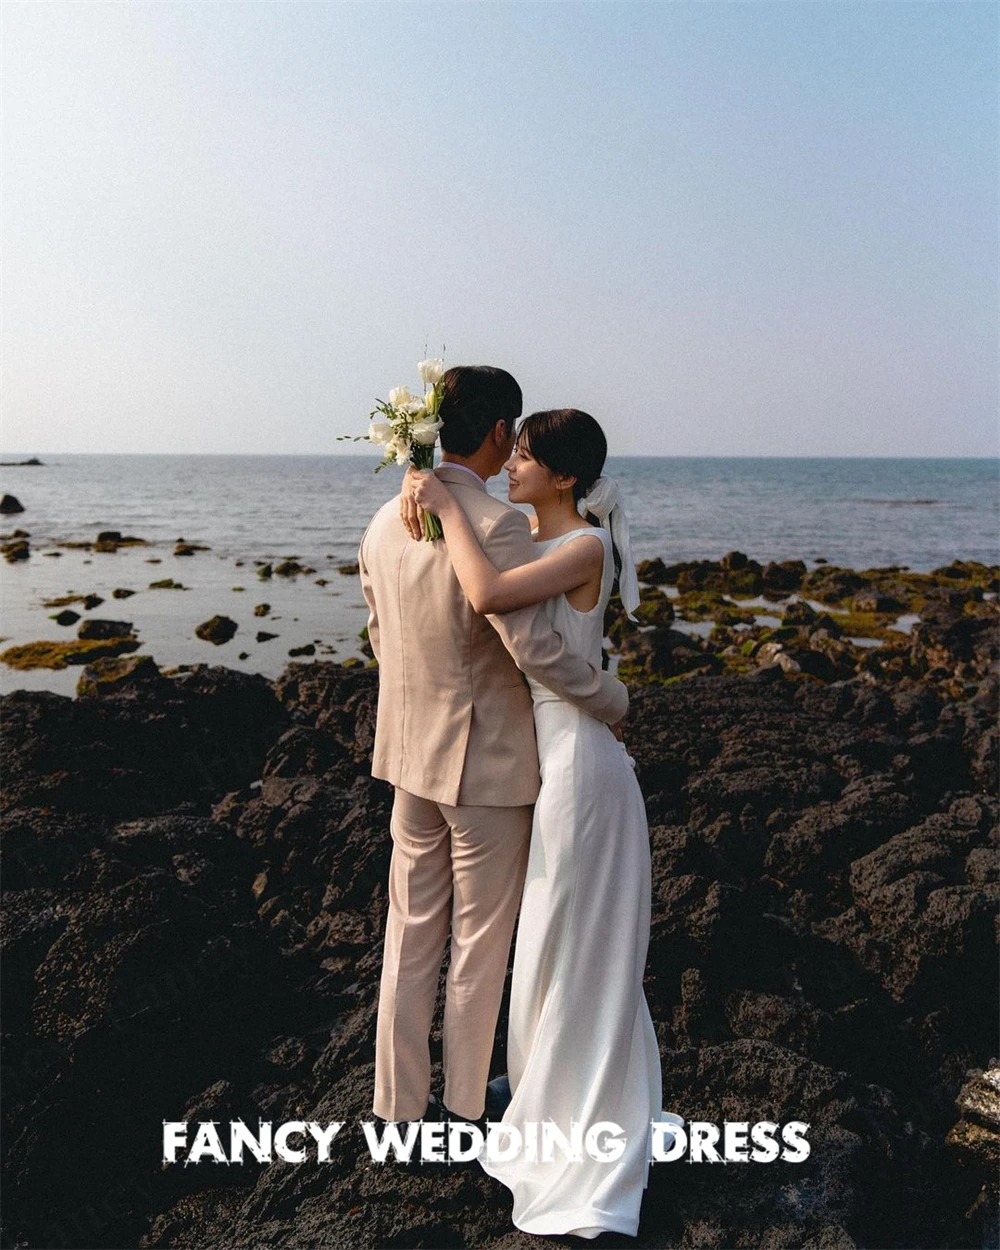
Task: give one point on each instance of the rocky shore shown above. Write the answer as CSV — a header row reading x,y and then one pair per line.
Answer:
x,y
194,891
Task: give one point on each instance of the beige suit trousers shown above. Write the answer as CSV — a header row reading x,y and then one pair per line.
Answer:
x,y
463,868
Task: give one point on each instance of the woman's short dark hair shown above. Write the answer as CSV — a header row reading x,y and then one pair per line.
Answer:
x,y
474,398
569,443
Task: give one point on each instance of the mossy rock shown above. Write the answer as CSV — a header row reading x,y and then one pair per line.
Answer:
x,y
701,575
50,654
799,613
88,601
700,605
868,625
16,550
96,627
748,581
111,540
783,575
116,673
876,601
966,570
833,585
655,608
652,572
730,614
217,629
291,568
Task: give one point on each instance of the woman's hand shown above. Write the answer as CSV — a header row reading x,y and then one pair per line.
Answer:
x,y
431,494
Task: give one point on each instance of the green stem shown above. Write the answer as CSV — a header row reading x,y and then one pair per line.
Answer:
x,y
422,457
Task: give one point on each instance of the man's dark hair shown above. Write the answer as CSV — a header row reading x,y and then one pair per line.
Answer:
x,y
474,398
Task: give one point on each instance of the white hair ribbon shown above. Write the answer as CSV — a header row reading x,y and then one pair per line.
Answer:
x,y
604,500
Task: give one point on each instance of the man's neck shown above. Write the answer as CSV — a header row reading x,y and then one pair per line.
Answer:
x,y
477,464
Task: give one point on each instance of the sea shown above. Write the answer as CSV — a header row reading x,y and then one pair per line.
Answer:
x,y
248,511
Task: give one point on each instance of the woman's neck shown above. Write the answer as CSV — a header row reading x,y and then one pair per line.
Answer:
x,y
555,518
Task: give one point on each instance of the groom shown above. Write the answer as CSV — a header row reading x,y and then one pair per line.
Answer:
x,y
455,736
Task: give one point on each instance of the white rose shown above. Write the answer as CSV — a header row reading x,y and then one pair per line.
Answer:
x,y
431,371
425,432
379,433
399,395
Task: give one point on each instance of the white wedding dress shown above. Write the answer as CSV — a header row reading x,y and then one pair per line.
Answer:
x,y
581,1047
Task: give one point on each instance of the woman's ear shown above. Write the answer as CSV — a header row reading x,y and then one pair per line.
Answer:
x,y
565,481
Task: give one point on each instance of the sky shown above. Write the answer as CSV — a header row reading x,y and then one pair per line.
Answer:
x,y
721,228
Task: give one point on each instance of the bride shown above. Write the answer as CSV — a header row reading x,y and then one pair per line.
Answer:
x,y
581,1047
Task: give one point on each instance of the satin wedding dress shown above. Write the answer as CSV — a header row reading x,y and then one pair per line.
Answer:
x,y
581,1046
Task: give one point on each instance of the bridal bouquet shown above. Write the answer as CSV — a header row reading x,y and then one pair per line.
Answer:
x,y
406,427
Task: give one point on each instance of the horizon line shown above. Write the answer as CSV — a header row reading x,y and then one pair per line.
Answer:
x,y
311,455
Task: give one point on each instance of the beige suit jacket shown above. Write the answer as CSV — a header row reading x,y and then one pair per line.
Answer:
x,y
455,723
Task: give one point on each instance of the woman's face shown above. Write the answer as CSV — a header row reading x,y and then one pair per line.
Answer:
x,y
527,480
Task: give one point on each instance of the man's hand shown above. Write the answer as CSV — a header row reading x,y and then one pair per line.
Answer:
x,y
410,513
618,727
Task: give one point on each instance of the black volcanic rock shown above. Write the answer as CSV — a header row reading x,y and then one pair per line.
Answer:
x,y
195,892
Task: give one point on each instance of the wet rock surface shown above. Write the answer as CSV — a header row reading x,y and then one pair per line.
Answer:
x,y
195,889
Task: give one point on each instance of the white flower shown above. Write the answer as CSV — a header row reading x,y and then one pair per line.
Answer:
x,y
431,371
425,432
431,401
399,447
379,433
399,395
415,408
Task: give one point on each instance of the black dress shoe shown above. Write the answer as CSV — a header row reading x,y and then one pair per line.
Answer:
x,y
498,1097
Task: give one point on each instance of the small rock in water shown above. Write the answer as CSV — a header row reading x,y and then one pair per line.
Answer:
x,y
261,609
111,540
217,629
14,551
291,568
9,504
95,627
